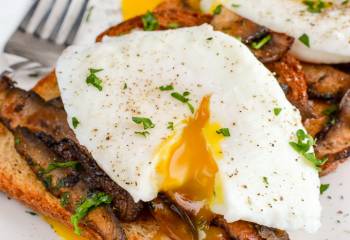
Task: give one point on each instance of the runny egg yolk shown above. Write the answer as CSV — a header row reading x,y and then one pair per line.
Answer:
x,y
188,168
132,8
63,231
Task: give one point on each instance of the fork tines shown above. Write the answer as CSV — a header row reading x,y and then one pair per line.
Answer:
x,y
55,20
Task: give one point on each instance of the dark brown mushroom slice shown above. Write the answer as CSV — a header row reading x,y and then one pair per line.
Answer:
x,y
243,230
71,192
173,220
335,144
231,23
326,82
23,109
323,115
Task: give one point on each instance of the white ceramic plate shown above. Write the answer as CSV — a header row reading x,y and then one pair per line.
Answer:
x,y
17,223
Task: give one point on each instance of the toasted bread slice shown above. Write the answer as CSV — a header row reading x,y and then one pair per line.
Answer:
x,y
19,182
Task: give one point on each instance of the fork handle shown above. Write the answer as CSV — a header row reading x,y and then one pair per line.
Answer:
x,y
35,49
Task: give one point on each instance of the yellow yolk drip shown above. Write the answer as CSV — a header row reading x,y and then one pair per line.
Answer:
x,y
188,168
214,5
63,231
132,8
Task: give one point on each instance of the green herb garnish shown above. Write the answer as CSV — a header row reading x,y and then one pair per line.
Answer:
x,y
217,10
184,99
125,86
47,180
17,141
56,165
277,111
345,2
262,42
89,13
150,22
170,126
93,79
65,199
75,122
31,213
166,88
144,133
265,180
224,131
316,6
173,25
87,205
331,110
303,147
234,5
305,40
323,188
146,122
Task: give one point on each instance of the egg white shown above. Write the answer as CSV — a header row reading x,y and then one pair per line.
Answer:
x,y
329,31
243,96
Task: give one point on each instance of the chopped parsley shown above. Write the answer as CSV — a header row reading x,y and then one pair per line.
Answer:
x,y
316,6
47,180
31,213
259,44
17,141
75,122
303,147
86,206
65,199
323,188
144,133
265,180
224,131
345,2
173,25
93,79
234,5
305,40
166,88
57,165
217,10
184,99
331,110
150,22
170,126
146,122
125,86
89,13
277,111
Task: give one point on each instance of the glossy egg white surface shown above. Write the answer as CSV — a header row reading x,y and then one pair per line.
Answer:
x,y
243,95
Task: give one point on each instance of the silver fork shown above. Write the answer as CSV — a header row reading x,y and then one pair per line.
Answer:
x,y
47,29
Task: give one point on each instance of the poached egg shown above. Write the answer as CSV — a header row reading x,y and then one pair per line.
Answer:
x,y
321,28
191,111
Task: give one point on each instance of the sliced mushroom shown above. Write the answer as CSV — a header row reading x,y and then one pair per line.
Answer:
x,y
49,123
323,115
335,145
242,230
231,23
325,81
64,183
